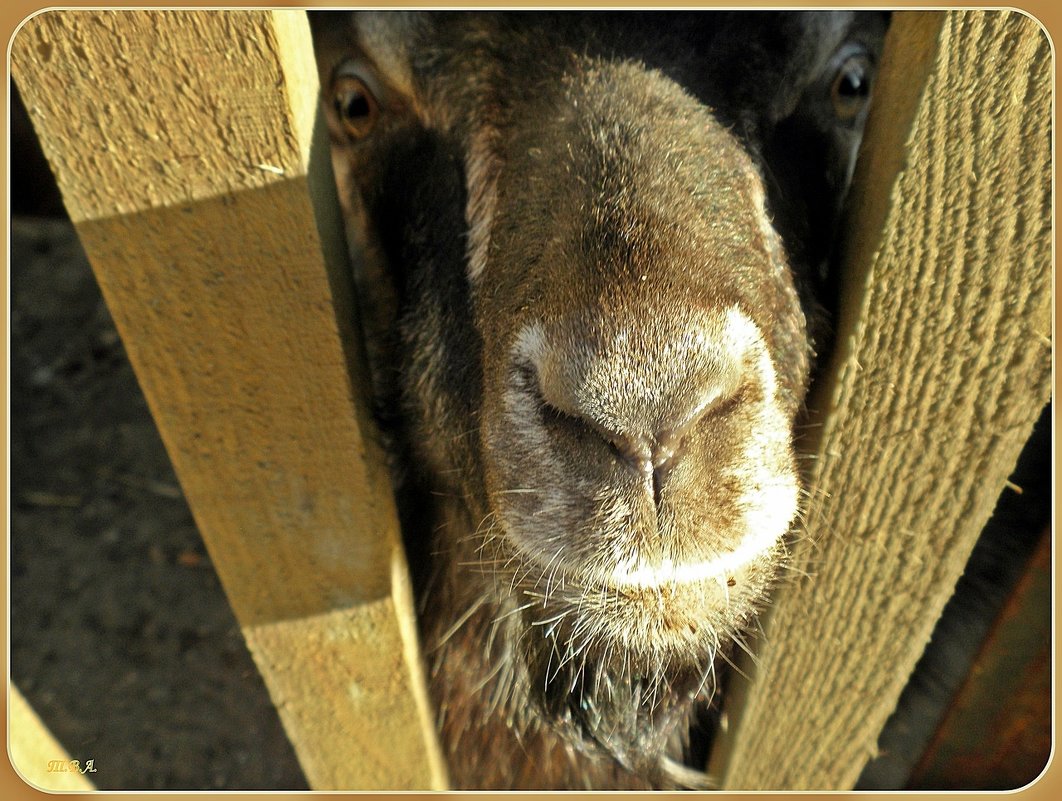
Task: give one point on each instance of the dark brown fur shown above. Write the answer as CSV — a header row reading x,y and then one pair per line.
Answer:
x,y
572,232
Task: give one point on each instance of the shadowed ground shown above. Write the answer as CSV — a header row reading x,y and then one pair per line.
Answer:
x,y
121,637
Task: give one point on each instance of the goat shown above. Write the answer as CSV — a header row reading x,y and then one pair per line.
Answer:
x,y
591,253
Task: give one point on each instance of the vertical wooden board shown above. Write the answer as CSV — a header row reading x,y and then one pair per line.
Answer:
x,y
942,365
188,152
144,110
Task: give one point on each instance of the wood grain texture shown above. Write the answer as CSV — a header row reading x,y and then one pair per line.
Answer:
x,y
943,364
187,149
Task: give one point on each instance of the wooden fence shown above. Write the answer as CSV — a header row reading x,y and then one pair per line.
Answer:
x,y
942,366
203,196
200,184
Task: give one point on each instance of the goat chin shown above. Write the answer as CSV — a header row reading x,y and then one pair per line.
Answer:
x,y
581,243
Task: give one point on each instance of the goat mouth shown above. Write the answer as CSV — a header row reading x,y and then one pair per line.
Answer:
x,y
631,575
685,611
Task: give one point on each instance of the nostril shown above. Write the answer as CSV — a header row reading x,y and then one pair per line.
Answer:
x,y
653,455
637,451
666,454
641,411
654,459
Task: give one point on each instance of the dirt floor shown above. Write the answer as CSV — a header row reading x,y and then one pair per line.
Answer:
x,y
121,637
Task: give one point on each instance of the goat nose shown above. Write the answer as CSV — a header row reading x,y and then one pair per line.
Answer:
x,y
646,423
642,391
654,457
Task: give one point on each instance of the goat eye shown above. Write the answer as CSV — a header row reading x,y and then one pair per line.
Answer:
x,y
355,104
851,87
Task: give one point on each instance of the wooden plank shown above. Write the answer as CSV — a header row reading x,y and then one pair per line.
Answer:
x,y
189,154
942,366
997,733
38,757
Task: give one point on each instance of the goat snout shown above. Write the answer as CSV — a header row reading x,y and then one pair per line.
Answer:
x,y
643,408
642,388
659,442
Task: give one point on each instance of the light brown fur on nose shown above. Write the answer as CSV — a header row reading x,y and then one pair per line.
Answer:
x,y
644,413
